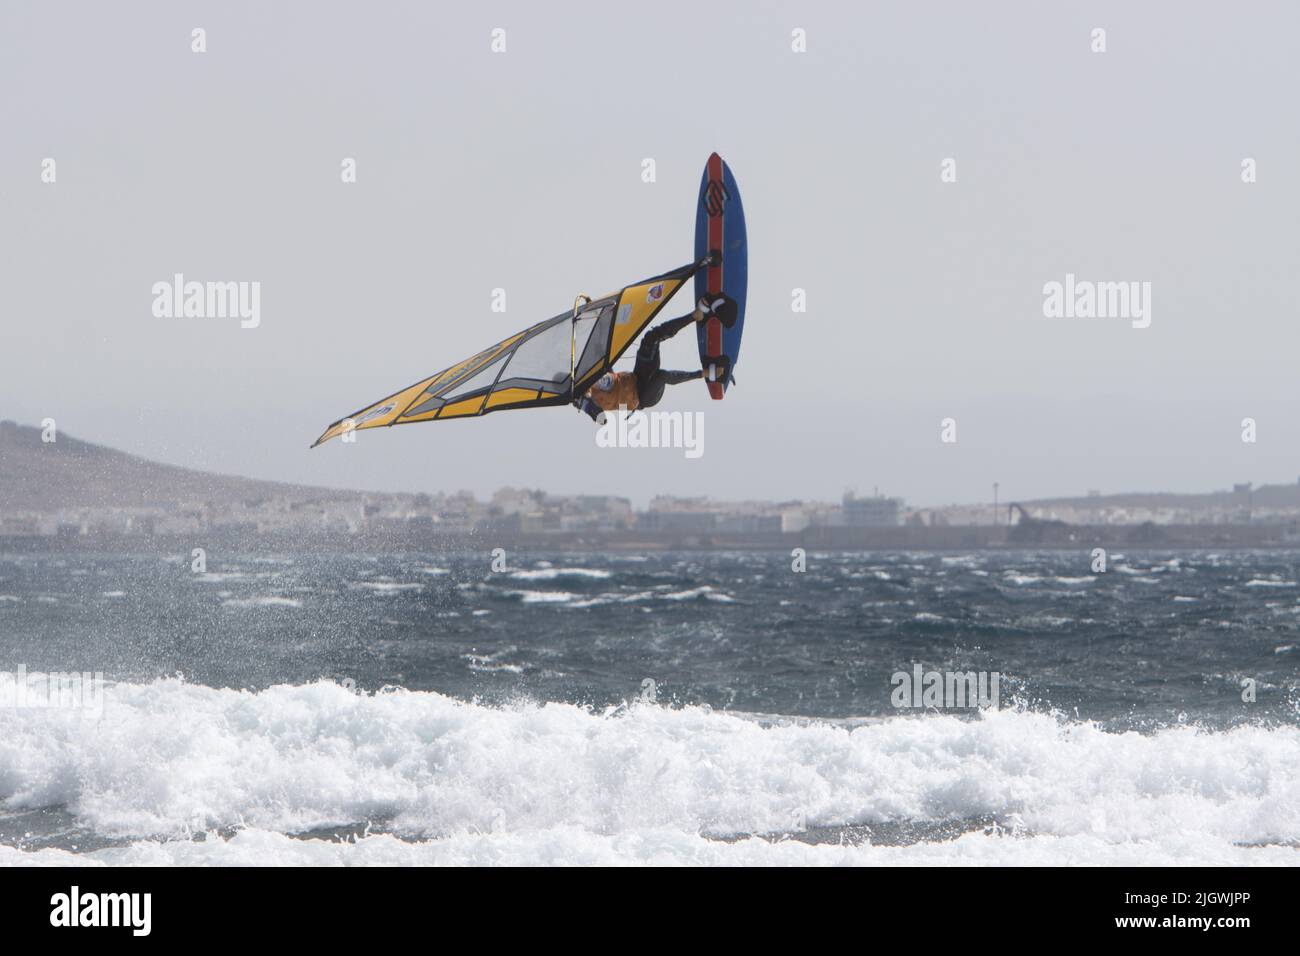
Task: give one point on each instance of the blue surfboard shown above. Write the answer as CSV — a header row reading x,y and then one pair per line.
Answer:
x,y
720,229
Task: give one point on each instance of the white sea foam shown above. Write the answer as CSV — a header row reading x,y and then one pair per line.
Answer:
x,y
573,600
265,600
557,783
492,663
390,587
704,591
630,597
543,597
1015,577
551,574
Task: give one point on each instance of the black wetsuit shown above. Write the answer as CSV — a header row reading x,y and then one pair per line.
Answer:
x,y
651,380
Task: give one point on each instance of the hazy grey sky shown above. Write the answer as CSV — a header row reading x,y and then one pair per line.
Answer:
x,y
523,171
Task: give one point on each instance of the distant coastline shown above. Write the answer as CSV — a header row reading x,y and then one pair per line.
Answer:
x,y
74,495
1082,538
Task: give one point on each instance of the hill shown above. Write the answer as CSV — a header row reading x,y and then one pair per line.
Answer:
x,y
39,476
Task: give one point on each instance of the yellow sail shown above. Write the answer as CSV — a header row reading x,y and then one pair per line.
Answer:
x,y
549,363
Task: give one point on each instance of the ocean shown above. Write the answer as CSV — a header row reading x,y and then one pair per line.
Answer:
x,y
674,708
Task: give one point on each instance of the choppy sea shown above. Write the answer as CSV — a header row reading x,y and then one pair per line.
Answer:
x,y
690,708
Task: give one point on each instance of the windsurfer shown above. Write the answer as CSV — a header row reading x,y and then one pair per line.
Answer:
x,y
644,386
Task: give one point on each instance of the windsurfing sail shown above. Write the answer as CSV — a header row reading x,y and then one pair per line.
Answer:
x,y
549,363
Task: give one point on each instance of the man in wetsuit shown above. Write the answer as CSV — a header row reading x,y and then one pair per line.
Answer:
x,y
644,386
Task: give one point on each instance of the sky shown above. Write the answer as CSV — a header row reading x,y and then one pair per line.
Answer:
x,y
523,170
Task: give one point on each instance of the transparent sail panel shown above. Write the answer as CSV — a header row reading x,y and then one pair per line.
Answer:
x,y
545,357
582,329
592,351
481,379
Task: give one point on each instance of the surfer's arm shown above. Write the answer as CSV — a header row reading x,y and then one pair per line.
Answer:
x,y
589,408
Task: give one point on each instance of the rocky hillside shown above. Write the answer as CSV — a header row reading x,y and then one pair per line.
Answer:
x,y
69,473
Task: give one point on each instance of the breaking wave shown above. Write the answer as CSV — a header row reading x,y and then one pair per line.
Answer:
x,y
419,777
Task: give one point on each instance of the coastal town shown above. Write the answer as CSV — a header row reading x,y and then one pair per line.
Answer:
x,y
81,492
533,513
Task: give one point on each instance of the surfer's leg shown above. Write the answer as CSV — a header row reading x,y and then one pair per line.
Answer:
x,y
647,357
652,389
664,331
646,369
647,353
669,377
